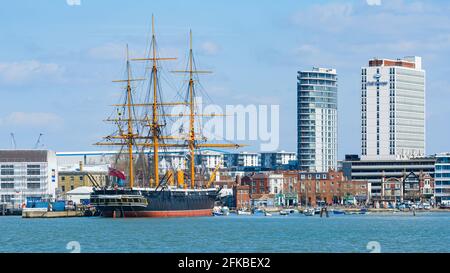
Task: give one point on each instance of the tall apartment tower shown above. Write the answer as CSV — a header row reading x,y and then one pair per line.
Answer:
x,y
393,109
317,119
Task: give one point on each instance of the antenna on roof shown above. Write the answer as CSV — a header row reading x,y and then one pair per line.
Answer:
x,y
38,141
13,141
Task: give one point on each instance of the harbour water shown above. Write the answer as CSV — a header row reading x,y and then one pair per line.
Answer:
x,y
425,232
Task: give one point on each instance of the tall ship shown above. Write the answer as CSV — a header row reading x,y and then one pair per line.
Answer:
x,y
146,131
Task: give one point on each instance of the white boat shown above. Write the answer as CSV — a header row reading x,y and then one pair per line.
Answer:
x,y
267,213
243,212
225,210
284,212
309,212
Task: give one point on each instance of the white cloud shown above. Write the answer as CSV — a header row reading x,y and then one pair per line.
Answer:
x,y
32,119
373,2
19,72
209,48
73,2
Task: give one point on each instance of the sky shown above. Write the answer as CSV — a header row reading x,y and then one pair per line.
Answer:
x,y
58,58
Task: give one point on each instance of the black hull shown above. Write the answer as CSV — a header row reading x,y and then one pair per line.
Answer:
x,y
160,203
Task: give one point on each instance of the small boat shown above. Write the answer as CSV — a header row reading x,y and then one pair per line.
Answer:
x,y
218,213
283,212
258,212
338,211
225,210
317,210
243,212
267,213
309,212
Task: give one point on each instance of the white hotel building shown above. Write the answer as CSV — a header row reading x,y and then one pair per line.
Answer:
x,y
393,109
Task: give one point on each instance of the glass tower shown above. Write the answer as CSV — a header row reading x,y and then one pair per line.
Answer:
x,y
442,178
317,119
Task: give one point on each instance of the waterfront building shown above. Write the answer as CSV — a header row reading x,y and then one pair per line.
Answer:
x,y
277,160
411,187
442,178
317,120
427,186
374,171
27,174
72,177
80,195
330,187
258,183
242,196
391,191
263,200
393,109
241,160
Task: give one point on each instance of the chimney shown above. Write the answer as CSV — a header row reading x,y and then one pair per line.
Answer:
x,y
81,166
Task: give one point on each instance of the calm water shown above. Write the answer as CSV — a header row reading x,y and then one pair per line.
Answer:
x,y
426,232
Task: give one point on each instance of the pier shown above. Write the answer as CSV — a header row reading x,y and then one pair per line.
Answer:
x,y
52,214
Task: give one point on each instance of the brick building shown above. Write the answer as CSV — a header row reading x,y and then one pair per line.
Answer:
x,y
242,196
330,187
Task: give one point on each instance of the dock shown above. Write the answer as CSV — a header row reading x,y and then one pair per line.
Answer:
x,y
52,214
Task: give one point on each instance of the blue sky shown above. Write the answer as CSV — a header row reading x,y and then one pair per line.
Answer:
x,y
57,60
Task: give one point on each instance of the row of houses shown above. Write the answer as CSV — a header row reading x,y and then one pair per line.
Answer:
x,y
291,188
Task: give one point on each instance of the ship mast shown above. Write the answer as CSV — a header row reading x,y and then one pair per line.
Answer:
x,y
191,113
192,143
154,123
130,124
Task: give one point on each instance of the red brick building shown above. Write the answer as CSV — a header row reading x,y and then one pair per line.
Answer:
x,y
242,196
330,187
258,183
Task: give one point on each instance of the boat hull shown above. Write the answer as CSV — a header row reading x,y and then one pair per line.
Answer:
x,y
159,203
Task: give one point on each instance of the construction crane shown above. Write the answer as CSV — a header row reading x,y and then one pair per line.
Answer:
x,y
213,175
38,141
13,141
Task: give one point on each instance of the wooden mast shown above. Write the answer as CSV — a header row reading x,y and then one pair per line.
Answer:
x,y
130,124
154,125
191,114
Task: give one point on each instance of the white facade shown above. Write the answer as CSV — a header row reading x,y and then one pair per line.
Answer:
x,y
317,119
276,159
393,109
244,159
275,183
210,159
27,173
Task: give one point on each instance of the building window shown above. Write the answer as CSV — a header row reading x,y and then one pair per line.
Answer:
x,y
33,170
33,185
7,170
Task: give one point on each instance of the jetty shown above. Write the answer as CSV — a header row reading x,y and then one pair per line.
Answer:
x,y
38,213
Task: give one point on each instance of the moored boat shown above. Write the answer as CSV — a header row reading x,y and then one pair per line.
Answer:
x,y
309,212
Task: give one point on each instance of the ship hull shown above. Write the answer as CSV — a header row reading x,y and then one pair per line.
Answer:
x,y
160,203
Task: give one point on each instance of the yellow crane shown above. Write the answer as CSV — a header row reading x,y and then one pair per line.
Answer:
x,y
212,177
